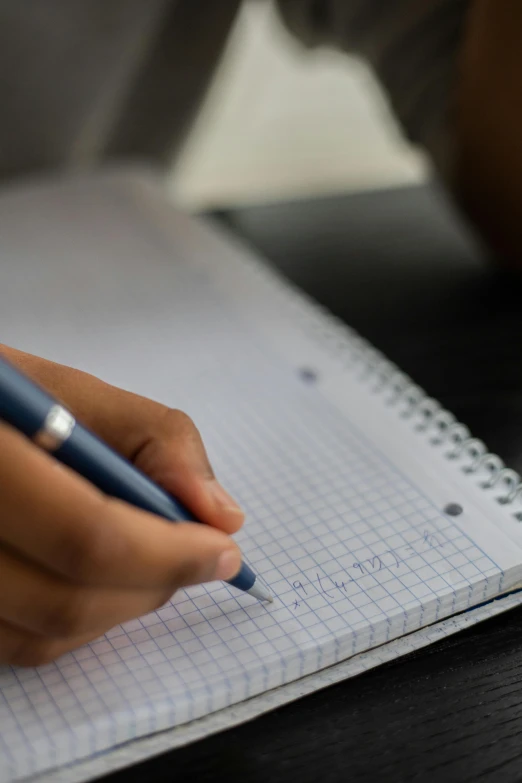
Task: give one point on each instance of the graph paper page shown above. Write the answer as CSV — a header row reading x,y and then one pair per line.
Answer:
x,y
355,550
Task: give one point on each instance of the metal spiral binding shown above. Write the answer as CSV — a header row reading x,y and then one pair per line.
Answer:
x,y
427,416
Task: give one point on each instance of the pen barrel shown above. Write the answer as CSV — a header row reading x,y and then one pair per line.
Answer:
x,y
117,477
245,579
26,406
114,475
23,404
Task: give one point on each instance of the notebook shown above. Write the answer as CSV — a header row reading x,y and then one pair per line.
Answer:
x,y
378,521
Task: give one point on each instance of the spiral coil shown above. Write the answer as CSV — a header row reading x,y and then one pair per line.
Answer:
x,y
427,415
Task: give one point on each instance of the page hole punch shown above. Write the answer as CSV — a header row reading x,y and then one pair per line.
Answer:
x,y
453,510
308,375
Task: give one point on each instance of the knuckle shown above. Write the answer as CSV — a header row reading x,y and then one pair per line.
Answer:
x,y
173,439
184,431
180,424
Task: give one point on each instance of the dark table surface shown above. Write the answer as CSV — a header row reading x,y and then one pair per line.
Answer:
x,y
395,266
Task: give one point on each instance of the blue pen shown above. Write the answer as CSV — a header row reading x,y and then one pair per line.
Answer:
x,y
28,408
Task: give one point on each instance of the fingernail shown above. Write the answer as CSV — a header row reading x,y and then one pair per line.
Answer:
x,y
228,564
223,499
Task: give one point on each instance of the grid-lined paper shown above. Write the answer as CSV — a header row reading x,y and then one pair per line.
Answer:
x,y
354,550
354,553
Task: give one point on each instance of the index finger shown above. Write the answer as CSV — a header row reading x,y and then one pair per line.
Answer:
x,y
165,444
56,518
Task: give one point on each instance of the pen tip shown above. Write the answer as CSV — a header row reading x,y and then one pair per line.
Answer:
x,y
261,593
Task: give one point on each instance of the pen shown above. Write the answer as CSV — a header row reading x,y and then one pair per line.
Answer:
x,y
33,412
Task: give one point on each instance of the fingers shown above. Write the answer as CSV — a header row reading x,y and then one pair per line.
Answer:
x,y
21,648
173,454
73,562
38,602
59,521
165,444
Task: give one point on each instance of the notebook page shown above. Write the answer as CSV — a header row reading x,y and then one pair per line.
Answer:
x,y
355,555
355,546
155,744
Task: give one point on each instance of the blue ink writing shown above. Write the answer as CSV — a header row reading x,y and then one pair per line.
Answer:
x,y
388,560
323,590
431,540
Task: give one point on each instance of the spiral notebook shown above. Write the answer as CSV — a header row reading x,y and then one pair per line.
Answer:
x,y
372,514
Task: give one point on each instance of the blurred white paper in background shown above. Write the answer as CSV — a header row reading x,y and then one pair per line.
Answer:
x,y
282,122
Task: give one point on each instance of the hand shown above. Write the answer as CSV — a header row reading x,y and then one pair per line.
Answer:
x,y
74,562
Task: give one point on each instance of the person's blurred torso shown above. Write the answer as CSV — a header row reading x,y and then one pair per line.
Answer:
x,y
82,80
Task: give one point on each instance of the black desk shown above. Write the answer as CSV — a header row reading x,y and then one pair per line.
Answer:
x,y
395,267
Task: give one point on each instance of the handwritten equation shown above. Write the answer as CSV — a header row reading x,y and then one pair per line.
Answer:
x,y
391,559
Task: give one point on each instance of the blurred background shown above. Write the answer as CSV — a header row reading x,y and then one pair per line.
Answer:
x,y
282,122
